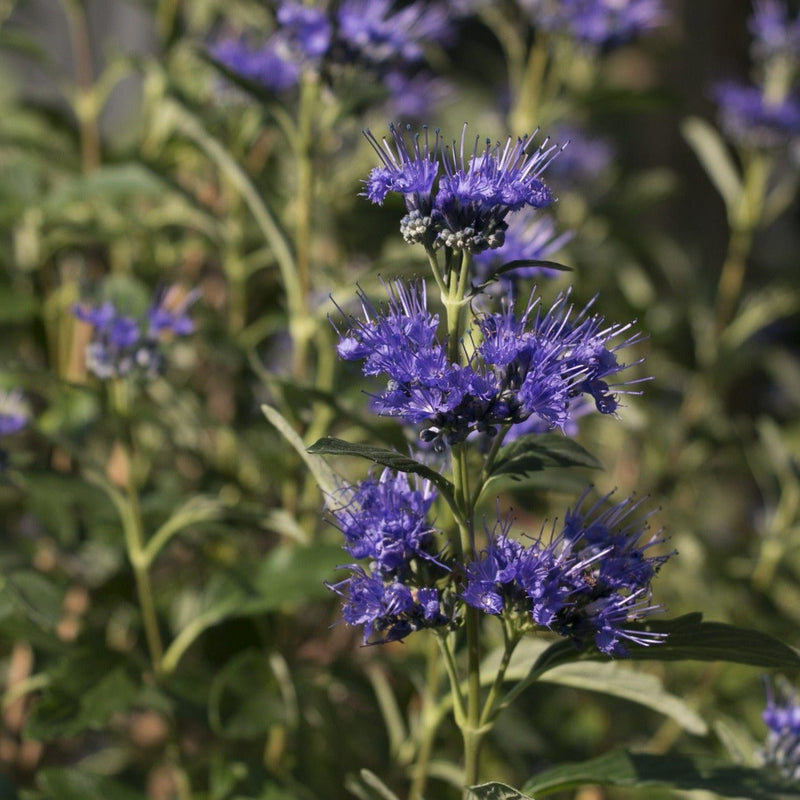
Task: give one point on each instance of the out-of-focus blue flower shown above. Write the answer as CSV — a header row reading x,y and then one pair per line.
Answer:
x,y
415,96
782,717
529,364
379,32
582,161
588,582
751,120
775,34
308,29
13,412
272,64
603,24
529,237
13,418
476,189
122,345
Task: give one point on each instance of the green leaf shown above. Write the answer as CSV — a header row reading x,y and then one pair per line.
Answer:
x,y
688,639
538,451
245,699
494,791
686,773
290,575
510,266
712,152
84,691
615,678
323,474
381,455
76,784
525,459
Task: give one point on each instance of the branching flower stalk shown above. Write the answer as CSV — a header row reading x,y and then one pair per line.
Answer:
x,y
479,396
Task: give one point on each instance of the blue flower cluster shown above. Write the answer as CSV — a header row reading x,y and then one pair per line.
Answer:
x,y
531,238
381,35
385,520
518,365
122,345
782,717
751,119
604,24
589,582
13,418
765,114
456,196
775,34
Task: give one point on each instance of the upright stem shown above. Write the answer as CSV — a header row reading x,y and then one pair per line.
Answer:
x,y
85,98
743,226
302,325
135,543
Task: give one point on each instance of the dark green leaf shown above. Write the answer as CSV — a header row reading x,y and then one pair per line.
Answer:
x,y
510,266
688,639
527,460
494,791
75,784
686,773
538,451
381,455
84,692
245,699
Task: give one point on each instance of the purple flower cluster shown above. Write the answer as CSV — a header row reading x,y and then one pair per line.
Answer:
x,y
122,345
13,418
456,196
751,119
589,582
385,520
775,34
603,24
378,34
782,717
519,366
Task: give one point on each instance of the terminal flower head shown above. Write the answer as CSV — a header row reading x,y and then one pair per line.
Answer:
x,y
459,196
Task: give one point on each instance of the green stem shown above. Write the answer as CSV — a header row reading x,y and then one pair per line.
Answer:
x,y
744,224
429,723
493,705
85,106
301,324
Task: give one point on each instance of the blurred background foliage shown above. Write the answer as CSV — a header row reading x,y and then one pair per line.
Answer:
x,y
131,162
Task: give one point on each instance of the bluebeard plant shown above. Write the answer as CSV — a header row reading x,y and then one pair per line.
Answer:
x,y
124,345
521,369
782,717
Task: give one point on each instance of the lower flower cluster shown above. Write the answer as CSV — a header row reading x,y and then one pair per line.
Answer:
x,y
588,582
385,520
